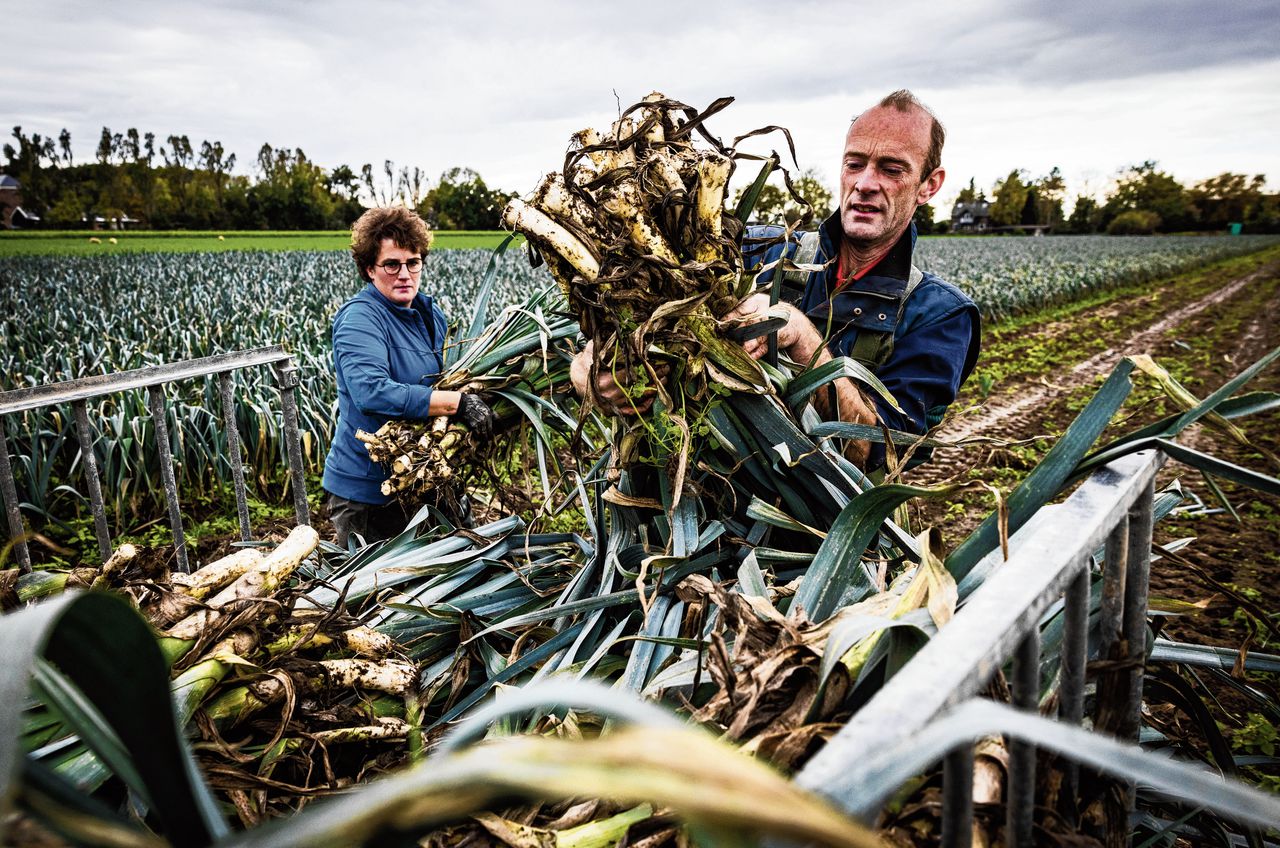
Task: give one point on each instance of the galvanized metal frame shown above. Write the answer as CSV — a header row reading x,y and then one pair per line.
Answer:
x,y
287,381
153,380
13,516
227,396
89,461
978,718
1050,559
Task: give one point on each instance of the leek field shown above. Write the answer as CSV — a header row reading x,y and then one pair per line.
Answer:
x,y
64,316
83,243
744,607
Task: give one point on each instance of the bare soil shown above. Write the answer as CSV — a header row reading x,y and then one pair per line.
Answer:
x,y
997,414
1204,328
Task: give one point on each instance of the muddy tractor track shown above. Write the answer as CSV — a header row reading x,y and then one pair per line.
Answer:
x,y
998,414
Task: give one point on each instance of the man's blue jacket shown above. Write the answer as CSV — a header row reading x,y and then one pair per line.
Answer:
x,y
936,341
386,358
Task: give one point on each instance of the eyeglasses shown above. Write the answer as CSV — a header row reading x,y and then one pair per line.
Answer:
x,y
392,266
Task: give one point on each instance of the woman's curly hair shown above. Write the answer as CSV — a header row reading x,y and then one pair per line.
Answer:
x,y
403,226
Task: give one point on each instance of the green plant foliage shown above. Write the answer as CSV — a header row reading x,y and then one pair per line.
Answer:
x,y
1135,222
1010,275
82,243
1259,735
500,607
114,678
114,696
78,317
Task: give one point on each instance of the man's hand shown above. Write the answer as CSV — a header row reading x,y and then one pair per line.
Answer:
x,y
612,394
799,339
477,416
802,342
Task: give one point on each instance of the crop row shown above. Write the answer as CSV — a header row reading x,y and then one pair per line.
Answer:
x,y
69,317
66,317
1011,275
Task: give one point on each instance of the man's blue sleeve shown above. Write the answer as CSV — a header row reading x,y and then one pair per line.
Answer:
x,y
362,359
924,373
760,247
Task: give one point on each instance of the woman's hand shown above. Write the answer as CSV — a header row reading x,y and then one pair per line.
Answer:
x,y
477,416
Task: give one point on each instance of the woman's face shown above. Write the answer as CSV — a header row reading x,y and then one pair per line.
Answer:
x,y
399,287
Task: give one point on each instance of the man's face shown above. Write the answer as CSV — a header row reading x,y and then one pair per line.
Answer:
x,y
880,179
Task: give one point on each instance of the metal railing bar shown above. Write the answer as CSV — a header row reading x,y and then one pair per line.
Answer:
x,y
89,462
287,380
1025,687
1071,689
153,380
959,660
13,514
233,451
1114,569
1135,608
1137,580
155,402
1075,644
957,798
21,400
866,787
1111,680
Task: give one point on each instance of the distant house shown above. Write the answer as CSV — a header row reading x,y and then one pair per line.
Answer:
x,y
97,222
12,215
21,219
971,217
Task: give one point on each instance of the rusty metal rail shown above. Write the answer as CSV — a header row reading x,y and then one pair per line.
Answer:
x,y
153,380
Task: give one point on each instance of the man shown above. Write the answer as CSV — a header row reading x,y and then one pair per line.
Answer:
x,y
917,333
920,337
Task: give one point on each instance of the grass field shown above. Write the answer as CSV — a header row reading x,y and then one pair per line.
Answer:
x,y
77,242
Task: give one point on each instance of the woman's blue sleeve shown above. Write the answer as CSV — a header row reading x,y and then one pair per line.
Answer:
x,y
362,360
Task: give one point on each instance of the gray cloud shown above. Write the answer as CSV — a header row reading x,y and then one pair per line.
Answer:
x,y
499,85
1039,41
1121,39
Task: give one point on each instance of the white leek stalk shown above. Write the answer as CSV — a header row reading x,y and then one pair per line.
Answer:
x,y
713,182
624,204
261,580
202,582
547,233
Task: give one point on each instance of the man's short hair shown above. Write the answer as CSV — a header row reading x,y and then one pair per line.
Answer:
x,y
403,226
904,101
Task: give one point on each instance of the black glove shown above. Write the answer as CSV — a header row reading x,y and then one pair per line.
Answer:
x,y
477,416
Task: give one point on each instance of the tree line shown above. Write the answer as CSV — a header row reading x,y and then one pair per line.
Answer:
x,y
1144,199
175,184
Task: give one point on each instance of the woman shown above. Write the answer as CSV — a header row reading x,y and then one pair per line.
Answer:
x,y
388,350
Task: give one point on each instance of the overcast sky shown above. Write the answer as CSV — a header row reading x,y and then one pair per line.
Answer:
x,y
499,87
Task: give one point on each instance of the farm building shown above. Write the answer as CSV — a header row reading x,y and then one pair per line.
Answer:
x,y
115,222
971,217
12,215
